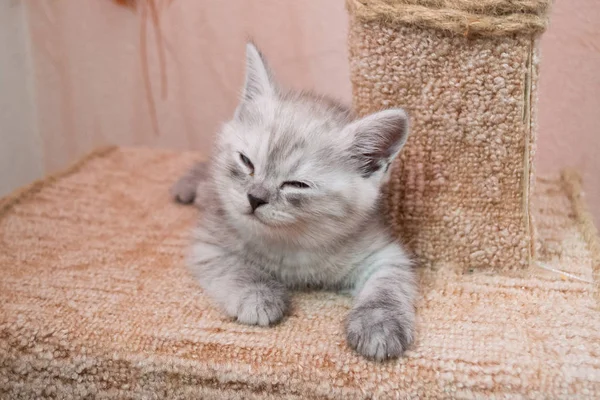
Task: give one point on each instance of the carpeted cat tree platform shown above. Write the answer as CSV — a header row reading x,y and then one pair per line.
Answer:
x,y
96,302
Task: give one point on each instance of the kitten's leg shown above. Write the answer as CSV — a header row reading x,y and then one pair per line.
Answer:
x,y
186,188
381,322
242,291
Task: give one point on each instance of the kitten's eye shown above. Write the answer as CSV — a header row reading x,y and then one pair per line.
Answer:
x,y
295,184
247,162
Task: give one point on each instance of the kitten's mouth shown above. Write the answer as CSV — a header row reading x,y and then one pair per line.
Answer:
x,y
265,221
261,220
254,217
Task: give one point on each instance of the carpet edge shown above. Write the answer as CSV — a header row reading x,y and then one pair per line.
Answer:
x,y
572,185
24,192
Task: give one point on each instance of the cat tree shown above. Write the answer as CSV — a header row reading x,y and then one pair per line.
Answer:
x,y
96,302
466,70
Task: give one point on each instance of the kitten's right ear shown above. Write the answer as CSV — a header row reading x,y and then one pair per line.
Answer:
x,y
259,80
378,138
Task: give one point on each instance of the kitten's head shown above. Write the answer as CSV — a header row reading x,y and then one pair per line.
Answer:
x,y
299,168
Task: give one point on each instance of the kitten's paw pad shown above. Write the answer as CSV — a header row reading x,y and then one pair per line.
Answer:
x,y
262,306
378,333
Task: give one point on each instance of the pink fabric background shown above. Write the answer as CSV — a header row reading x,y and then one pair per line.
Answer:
x,y
89,86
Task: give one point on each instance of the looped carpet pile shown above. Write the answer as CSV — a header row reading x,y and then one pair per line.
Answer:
x,y
466,71
96,302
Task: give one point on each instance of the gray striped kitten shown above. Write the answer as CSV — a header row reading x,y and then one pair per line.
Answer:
x,y
293,201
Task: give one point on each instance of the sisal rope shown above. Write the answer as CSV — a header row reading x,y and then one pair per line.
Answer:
x,y
465,17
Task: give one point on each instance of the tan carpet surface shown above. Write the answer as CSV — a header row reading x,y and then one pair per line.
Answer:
x,y
468,160
96,302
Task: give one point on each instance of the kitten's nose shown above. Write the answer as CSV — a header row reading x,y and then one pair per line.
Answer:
x,y
256,202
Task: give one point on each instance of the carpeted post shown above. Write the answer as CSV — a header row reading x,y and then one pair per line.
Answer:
x,y
467,72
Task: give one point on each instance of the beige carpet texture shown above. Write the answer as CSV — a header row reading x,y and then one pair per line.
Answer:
x,y
96,303
467,73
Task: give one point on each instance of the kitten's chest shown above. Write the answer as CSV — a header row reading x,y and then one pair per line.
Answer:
x,y
299,268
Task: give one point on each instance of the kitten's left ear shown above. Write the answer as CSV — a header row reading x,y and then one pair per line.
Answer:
x,y
378,138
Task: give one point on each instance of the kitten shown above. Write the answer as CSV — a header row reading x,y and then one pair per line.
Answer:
x,y
293,200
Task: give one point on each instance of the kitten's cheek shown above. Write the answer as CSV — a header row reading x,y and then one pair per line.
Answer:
x,y
295,202
239,202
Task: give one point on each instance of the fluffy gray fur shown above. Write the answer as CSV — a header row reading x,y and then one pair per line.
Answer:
x,y
313,173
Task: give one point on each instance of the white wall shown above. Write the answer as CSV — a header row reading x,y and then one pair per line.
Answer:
x,y
20,144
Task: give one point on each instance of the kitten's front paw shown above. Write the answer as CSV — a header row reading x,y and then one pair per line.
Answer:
x,y
263,305
379,333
